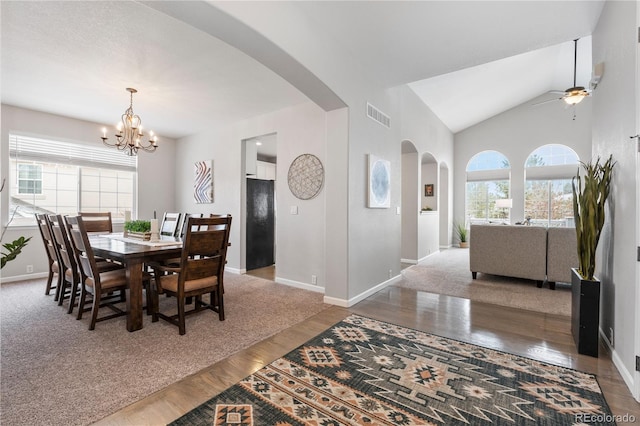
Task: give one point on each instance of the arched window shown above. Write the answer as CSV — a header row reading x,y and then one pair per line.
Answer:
x,y
488,180
548,199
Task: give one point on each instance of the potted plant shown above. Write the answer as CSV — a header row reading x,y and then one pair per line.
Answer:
x,y
590,193
14,248
461,233
138,229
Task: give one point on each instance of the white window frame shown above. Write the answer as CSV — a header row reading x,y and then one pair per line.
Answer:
x,y
37,150
19,179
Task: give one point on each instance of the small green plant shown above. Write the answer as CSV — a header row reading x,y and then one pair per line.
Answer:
x,y
590,193
13,248
461,232
137,226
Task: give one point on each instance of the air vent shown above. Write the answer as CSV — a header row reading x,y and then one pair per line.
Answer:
x,y
378,116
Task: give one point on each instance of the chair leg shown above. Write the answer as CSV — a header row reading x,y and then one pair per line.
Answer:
x,y
83,300
217,296
181,326
94,310
60,292
49,281
72,297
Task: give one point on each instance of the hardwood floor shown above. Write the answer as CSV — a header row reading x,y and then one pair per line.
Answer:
x,y
268,272
534,335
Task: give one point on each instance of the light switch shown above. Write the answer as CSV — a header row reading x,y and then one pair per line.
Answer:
x,y
294,210
397,209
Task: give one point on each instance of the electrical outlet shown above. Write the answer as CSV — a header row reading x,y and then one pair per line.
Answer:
x,y
390,273
29,269
611,336
314,279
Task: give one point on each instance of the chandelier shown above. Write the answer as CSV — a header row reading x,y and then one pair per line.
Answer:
x,y
129,133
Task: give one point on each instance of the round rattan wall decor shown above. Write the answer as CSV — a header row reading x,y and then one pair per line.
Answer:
x,y
306,176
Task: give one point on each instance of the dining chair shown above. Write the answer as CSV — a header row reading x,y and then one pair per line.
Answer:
x,y
94,282
53,257
171,224
199,272
97,222
70,285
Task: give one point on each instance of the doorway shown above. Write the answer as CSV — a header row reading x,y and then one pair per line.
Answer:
x,y
260,205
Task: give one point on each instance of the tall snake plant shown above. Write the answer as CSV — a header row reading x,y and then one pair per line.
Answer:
x,y
590,193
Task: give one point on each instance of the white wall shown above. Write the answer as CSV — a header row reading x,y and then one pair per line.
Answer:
x,y
156,183
374,235
615,118
410,206
516,133
300,239
429,176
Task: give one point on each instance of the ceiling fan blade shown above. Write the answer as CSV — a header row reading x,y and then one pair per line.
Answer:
x,y
558,92
547,101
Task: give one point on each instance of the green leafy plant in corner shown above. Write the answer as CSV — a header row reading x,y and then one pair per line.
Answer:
x,y
138,226
461,232
14,248
590,192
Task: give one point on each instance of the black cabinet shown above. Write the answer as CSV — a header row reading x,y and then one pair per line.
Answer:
x,y
585,314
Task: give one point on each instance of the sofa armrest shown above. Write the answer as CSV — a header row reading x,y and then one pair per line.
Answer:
x,y
562,254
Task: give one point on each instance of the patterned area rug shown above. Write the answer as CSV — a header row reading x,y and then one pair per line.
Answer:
x,y
363,371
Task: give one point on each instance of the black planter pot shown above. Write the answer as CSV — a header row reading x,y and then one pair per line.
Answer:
x,y
585,313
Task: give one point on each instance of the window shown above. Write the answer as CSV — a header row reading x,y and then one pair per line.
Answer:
x,y
64,178
29,179
548,198
488,180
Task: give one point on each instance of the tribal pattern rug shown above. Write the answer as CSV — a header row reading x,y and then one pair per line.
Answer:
x,y
363,371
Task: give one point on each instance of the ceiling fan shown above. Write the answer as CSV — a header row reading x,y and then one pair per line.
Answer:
x,y
573,95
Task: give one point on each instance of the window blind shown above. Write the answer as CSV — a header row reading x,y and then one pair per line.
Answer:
x,y
26,148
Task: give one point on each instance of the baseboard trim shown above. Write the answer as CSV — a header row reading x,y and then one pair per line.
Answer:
x,y
348,303
627,376
445,247
16,278
429,255
235,270
298,284
412,261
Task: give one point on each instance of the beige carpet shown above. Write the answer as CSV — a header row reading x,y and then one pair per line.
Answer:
x,y
54,371
448,273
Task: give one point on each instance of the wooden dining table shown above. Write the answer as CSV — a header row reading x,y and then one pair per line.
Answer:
x,y
134,254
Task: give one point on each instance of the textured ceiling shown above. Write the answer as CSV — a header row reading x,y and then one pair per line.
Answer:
x,y
77,58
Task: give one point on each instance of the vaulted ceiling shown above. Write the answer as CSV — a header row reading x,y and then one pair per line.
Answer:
x,y
467,60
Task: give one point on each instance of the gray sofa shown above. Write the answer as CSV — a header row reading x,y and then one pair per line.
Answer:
x,y
562,255
529,252
509,250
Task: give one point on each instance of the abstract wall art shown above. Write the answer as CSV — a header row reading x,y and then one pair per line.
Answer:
x,y
203,182
379,183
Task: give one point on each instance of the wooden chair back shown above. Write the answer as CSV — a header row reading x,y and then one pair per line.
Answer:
x,y
82,249
69,267
97,222
171,224
45,232
204,249
53,256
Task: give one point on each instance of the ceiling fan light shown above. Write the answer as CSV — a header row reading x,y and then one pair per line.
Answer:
x,y
575,98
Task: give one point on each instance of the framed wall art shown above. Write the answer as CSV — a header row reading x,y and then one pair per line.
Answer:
x,y
203,182
428,190
379,183
305,176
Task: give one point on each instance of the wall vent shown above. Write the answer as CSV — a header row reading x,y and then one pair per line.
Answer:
x,y
378,116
